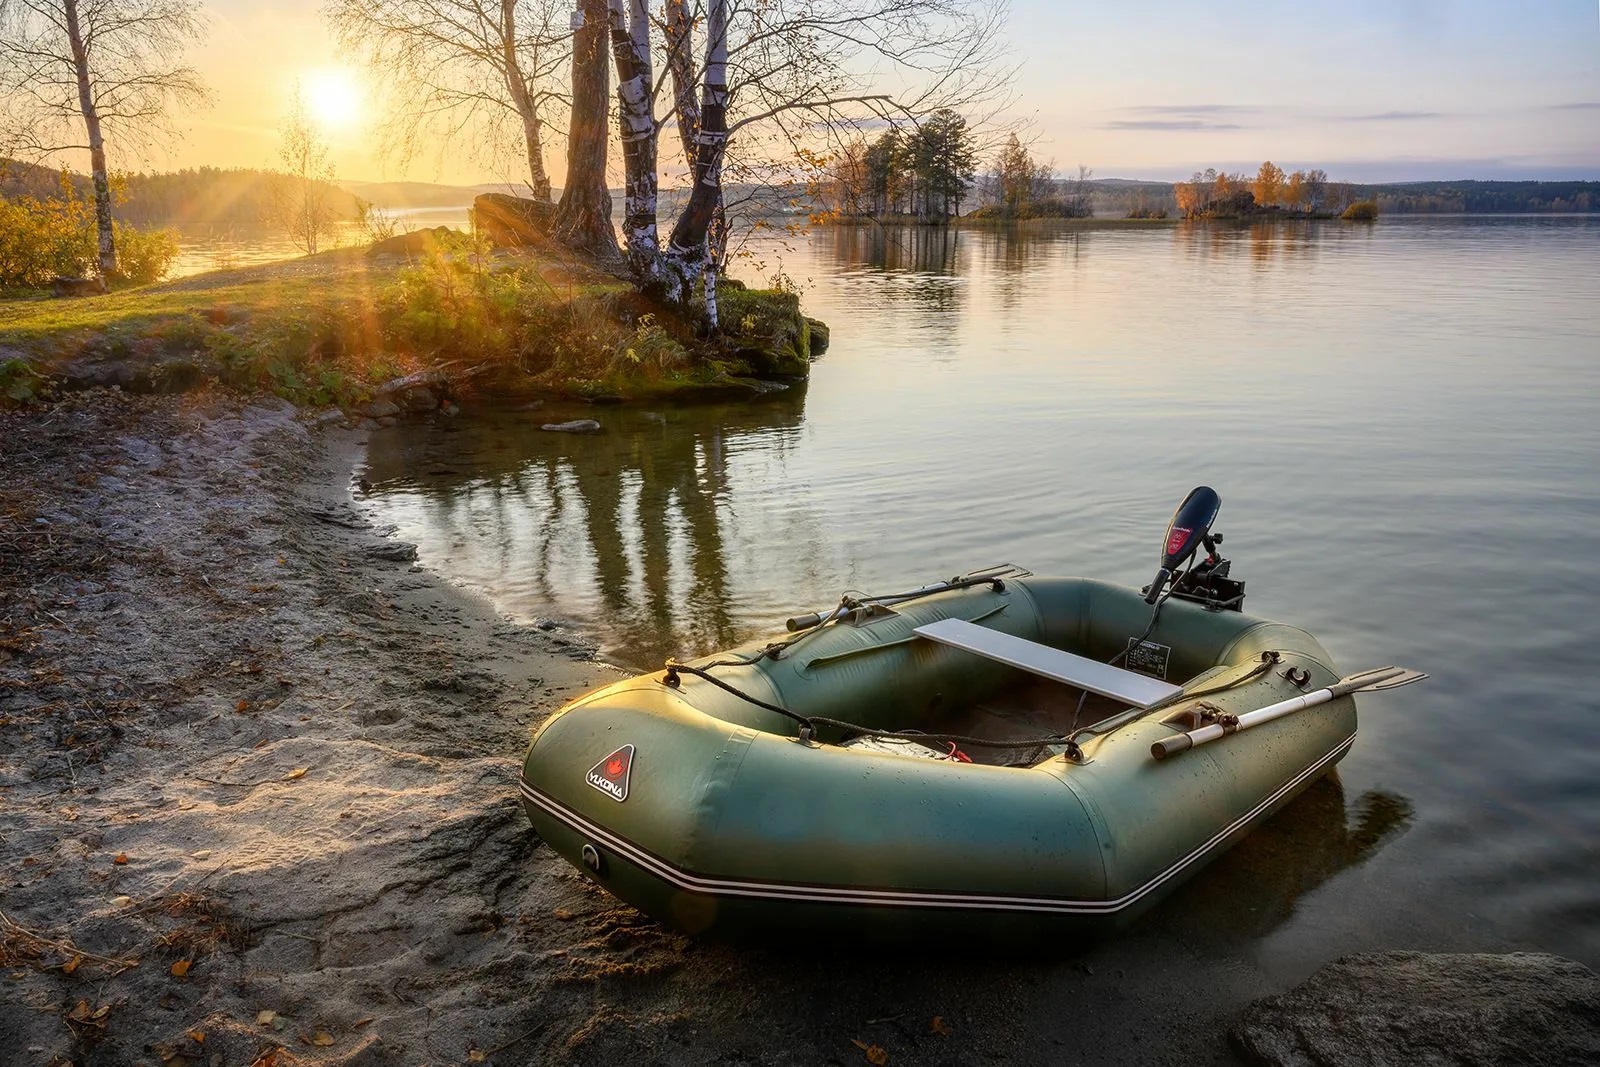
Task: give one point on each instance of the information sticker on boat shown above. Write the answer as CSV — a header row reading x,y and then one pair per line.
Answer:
x,y
611,774
1147,657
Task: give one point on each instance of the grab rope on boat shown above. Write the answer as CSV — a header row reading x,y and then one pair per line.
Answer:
x,y
809,723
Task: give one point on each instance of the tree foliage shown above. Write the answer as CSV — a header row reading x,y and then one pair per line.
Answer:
x,y
922,170
302,205
1214,194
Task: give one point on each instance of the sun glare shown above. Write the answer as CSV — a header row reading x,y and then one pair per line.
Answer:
x,y
334,97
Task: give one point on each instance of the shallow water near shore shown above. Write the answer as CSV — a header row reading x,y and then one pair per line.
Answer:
x,y
1403,421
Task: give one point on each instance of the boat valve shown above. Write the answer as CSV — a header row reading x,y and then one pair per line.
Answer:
x,y
671,679
592,860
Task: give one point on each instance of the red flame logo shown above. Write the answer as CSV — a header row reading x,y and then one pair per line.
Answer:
x,y
613,768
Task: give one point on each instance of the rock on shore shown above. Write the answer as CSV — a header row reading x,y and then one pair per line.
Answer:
x,y
1406,1008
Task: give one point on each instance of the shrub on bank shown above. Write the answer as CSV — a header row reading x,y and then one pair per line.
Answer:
x,y
56,237
1361,211
143,256
40,239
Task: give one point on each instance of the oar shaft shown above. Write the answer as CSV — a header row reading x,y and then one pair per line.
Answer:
x,y
1168,746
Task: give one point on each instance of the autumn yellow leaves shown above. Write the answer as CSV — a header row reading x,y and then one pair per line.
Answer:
x,y
877,1055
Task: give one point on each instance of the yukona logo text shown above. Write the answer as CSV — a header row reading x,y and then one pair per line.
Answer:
x,y
611,775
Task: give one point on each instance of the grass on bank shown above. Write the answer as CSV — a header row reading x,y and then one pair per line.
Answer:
x,y
327,329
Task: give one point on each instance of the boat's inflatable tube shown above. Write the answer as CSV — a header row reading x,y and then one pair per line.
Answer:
x,y
708,812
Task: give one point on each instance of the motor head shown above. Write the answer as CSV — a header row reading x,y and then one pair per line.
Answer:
x,y
1189,528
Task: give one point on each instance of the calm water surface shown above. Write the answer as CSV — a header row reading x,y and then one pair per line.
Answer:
x,y
1403,421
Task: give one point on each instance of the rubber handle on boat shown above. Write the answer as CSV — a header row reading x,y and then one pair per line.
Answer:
x,y
1169,746
802,622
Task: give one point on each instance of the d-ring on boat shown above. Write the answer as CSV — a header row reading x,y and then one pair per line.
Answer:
x,y
998,753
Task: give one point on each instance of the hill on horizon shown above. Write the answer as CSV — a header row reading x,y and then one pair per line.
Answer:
x,y
199,196
242,196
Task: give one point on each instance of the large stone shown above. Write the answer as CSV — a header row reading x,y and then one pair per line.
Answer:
x,y
418,398
575,426
380,408
76,287
513,221
1404,1008
411,245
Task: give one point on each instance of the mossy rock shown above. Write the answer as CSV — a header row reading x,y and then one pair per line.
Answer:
x,y
819,336
767,333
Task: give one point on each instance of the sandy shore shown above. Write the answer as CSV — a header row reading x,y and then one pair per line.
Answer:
x,y
258,806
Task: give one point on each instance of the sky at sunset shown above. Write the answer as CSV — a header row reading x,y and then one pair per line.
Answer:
x,y
1371,91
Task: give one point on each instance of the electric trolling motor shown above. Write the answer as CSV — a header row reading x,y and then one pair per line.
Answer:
x,y
1207,582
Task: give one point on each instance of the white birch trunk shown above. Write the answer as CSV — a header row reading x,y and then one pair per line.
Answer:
x,y
630,45
687,251
106,246
680,64
527,106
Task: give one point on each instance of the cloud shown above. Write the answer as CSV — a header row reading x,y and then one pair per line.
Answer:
x,y
1169,124
1395,116
1190,109
1582,105
1181,117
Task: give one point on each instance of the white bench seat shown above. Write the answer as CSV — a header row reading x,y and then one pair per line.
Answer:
x,y
1139,690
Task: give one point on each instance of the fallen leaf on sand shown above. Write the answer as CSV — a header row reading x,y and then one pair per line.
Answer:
x,y
874,1053
298,772
181,968
267,1058
101,1012
197,1036
80,1011
475,1055
322,1039
264,1018
359,1023
243,705
122,858
71,965
940,1027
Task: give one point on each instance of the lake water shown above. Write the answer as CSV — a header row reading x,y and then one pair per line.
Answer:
x,y
205,247
1403,421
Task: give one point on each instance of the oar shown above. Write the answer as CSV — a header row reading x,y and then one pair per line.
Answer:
x,y
1366,682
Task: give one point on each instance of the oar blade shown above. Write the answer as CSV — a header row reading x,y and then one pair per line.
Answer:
x,y
1405,677
1379,678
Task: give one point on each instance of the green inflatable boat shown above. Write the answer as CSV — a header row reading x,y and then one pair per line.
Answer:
x,y
996,754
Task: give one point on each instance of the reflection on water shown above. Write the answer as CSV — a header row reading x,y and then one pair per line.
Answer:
x,y
1403,421
227,246
626,526
920,249
1257,885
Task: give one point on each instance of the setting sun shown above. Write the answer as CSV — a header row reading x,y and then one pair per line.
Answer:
x,y
334,97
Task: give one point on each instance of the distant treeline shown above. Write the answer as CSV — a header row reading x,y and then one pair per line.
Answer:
x,y
1115,197
1483,197
211,195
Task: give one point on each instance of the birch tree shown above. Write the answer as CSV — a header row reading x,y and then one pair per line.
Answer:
x,y
301,199
637,126
77,74
488,71
791,75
